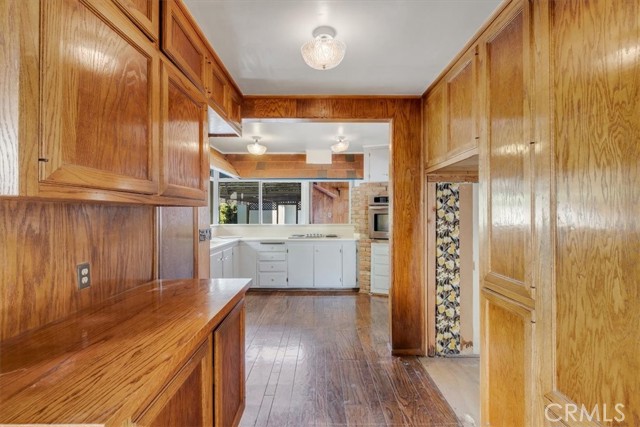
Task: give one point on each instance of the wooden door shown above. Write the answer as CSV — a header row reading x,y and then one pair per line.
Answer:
x,y
145,14
188,399
182,43
462,100
99,99
228,360
506,154
183,141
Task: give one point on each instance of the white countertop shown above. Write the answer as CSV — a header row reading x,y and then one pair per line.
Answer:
x,y
221,243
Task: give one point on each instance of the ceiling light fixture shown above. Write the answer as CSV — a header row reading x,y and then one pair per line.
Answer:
x,y
340,146
256,148
323,52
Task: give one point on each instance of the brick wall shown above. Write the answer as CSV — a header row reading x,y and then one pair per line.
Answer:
x,y
360,219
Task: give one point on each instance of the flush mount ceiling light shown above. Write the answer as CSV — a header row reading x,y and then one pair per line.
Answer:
x,y
323,52
340,146
256,148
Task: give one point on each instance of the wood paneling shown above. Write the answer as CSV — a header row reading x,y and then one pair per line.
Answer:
x,y
407,236
329,203
106,365
505,49
228,360
145,14
219,161
182,43
343,166
435,132
596,84
99,99
462,99
507,331
183,144
178,242
43,242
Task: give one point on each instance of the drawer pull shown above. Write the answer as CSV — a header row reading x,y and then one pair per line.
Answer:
x,y
272,243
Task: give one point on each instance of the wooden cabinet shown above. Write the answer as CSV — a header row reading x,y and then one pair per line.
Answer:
x,y
507,351
216,85
183,140
228,361
234,107
188,398
99,99
450,118
182,43
145,14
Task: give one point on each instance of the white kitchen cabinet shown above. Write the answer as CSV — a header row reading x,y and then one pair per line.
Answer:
x,y
349,265
380,268
227,263
236,260
300,264
247,266
376,164
216,265
327,265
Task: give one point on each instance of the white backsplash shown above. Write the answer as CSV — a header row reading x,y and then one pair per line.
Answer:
x,y
345,231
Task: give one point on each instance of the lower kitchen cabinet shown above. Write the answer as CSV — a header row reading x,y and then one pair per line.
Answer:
x,y
380,268
188,399
300,267
223,263
228,378
327,265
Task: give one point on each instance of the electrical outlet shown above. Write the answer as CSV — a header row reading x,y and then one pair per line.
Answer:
x,y
84,275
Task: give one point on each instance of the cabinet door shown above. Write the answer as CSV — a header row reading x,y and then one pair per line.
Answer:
x,y
217,265
99,99
216,83
227,263
349,265
300,265
435,125
327,265
234,106
145,14
506,154
247,264
183,142
507,383
462,95
188,399
228,362
182,43
378,164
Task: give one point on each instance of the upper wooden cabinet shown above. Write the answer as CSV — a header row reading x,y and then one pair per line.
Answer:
x,y
145,14
182,43
99,99
216,85
183,142
506,151
450,118
234,107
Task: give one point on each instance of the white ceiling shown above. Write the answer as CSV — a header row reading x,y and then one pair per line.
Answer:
x,y
394,47
296,137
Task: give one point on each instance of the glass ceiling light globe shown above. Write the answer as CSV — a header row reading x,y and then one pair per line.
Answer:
x,y
323,52
255,148
340,146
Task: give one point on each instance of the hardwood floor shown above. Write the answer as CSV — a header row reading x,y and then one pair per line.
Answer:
x,y
318,359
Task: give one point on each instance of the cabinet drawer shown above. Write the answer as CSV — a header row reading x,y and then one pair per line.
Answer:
x,y
272,266
379,249
380,259
380,269
272,256
272,247
272,280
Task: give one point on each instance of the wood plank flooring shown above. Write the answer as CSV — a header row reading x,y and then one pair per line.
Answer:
x,y
318,359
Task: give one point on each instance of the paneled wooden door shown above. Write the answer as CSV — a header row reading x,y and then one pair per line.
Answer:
x,y
506,216
99,104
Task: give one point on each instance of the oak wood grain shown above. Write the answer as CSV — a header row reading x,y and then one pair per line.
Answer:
x,y
462,100
406,190
43,243
435,125
10,104
345,166
596,93
330,203
107,364
99,99
145,14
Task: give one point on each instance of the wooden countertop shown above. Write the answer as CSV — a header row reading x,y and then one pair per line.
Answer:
x,y
104,365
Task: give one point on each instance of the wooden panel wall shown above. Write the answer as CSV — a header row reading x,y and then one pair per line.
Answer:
x,y
330,203
406,190
343,166
41,244
596,61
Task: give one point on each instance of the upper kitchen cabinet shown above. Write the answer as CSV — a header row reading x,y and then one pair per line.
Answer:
x,y
182,43
234,107
145,14
183,142
506,152
450,118
99,100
